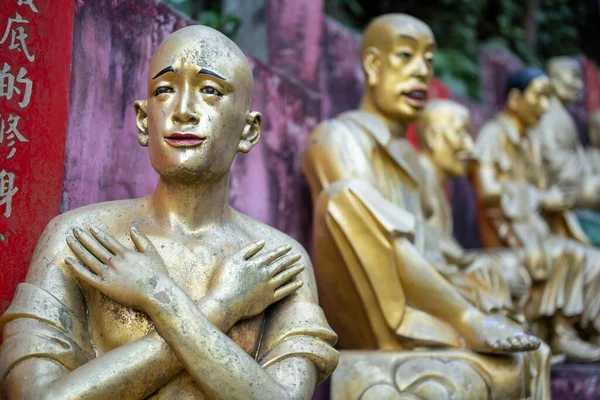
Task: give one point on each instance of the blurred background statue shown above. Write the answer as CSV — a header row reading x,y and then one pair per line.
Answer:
x,y
513,189
563,154
386,282
444,134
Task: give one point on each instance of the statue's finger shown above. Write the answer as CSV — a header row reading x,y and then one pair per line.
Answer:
x,y
250,250
82,272
92,245
273,254
107,241
282,263
141,241
86,257
285,276
287,290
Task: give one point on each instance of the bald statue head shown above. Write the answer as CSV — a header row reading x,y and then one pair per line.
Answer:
x,y
565,77
197,117
444,133
594,129
397,58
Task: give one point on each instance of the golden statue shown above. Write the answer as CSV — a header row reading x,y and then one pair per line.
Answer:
x,y
512,189
444,134
383,280
193,307
562,152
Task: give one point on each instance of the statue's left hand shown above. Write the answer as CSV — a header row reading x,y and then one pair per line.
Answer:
x,y
126,276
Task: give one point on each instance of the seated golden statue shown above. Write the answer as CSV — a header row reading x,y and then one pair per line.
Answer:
x,y
383,280
564,157
512,189
444,135
192,307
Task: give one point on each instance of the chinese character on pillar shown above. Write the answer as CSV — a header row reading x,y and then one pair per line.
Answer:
x,y
28,3
8,87
17,36
7,191
10,131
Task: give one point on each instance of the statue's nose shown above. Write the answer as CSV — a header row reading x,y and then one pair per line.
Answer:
x,y
185,109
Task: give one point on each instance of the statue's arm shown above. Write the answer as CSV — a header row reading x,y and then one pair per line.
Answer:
x,y
488,187
226,371
132,371
49,308
484,170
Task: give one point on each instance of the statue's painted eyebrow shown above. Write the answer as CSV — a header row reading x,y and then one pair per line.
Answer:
x,y
209,72
202,71
164,71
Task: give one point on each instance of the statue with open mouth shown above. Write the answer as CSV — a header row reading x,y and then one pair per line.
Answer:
x,y
398,301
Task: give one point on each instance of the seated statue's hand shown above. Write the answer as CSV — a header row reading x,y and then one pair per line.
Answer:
x,y
250,281
126,276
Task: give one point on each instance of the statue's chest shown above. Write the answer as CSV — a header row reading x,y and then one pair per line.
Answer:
x,y
192,268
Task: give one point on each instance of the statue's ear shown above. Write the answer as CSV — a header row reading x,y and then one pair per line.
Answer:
x,y
371,64
512,100
141,121
251,132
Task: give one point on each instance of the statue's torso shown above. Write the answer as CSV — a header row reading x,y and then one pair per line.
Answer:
x,y
518,166
516,159
191,265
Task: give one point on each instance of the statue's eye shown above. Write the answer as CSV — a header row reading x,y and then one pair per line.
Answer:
x,y
406,55
162,90
211,91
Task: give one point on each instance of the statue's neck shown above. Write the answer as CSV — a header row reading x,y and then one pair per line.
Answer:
x,y
397,127
191,207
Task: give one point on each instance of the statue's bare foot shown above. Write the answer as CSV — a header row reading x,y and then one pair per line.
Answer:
x,y
494,334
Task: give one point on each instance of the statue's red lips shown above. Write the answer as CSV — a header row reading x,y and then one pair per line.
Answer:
x,y
416,97
183,140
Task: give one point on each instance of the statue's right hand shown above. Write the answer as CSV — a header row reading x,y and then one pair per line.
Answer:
x,y
249,282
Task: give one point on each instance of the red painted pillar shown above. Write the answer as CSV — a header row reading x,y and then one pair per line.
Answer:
x,y
35,63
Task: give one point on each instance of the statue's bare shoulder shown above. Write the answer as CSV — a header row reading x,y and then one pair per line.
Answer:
x,y
113,215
